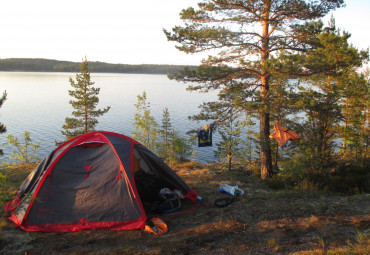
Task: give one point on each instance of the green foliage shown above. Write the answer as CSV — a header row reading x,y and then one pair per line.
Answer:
x,y
24,153
165,133
226,118
164,140
319,130
340,177
354,132
332,82
281,181
349,178
11,177
84,102
2,126
146,127
229,147
5,194
322,245
249,146
333,52
181,148
3,185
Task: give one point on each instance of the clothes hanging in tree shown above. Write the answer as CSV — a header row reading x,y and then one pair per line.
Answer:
x,y
205,135
282,135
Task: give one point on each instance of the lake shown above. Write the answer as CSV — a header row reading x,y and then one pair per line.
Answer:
x,y
39,103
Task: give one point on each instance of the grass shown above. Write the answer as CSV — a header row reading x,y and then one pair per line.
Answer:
x,y
262,221
10,179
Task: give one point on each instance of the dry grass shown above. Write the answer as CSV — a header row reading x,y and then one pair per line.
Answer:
x,y
262,221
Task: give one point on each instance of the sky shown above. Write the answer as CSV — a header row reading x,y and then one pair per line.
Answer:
x,y
120,31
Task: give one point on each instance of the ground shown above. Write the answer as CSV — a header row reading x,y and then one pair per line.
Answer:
x,y
261,221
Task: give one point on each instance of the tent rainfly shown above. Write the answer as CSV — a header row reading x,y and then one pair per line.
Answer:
x,y
99,180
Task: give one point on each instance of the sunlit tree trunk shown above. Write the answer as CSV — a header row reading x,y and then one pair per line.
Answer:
x,y
344,146
265,153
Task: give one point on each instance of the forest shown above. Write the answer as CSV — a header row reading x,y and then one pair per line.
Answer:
x,y
50,65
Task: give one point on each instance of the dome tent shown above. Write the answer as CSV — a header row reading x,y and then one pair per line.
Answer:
x,y
99,180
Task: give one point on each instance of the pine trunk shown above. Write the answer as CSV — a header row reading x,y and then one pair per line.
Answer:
x,y
344,146
365,136
229,162
85,119
266,160
265,152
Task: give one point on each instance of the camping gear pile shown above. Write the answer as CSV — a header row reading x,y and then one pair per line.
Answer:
x,y
99,180
232,190
235,191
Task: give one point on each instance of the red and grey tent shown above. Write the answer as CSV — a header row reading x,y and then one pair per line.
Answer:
x,y
99,180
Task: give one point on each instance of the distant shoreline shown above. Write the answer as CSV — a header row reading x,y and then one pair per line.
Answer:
x,y
52,65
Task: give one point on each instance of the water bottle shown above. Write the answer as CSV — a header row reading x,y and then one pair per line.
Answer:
x,y
200,199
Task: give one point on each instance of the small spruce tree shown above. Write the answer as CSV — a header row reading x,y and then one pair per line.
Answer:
x,y
84,102
249,146
229,146
165,133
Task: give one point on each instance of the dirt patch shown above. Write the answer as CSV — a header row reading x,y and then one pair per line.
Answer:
x,y
262,221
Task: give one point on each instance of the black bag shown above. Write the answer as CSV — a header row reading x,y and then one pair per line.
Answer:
x,y
222,202
166,204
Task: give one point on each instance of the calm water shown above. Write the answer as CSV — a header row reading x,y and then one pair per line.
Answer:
x,y
39,103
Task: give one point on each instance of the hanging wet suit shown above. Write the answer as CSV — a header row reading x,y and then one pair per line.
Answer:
x,y
205,135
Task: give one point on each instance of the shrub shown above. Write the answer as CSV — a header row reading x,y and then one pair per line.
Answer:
x,y
341,177
181,148
308,185
278,182
25,152
349,179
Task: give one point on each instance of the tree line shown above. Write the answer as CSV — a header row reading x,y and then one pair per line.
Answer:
x,y
50,65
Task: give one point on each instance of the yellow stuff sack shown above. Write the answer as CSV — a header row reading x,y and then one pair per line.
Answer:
x,y
156,226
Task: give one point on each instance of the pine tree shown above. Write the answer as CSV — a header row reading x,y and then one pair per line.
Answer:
x,y
84,102
2,126
246,35
146,127
165,133
321,101
354,131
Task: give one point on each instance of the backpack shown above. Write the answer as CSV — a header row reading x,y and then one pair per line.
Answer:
x,y
156,226
166,204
